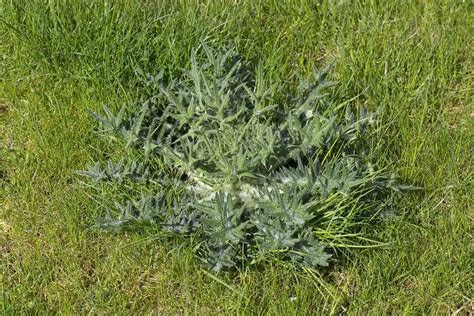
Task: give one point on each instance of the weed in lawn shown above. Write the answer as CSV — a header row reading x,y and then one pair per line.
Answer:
x,y
257,180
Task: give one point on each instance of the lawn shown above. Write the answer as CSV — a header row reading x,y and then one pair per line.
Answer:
x,y
413,61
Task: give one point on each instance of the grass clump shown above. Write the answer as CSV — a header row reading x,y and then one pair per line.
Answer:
x,y
250,178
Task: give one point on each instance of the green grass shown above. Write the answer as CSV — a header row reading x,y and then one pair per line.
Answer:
x,y
412,59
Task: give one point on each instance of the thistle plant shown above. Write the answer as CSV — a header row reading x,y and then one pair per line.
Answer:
x,y
250,178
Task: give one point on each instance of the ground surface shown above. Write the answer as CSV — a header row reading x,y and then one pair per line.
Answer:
x,y
412,59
